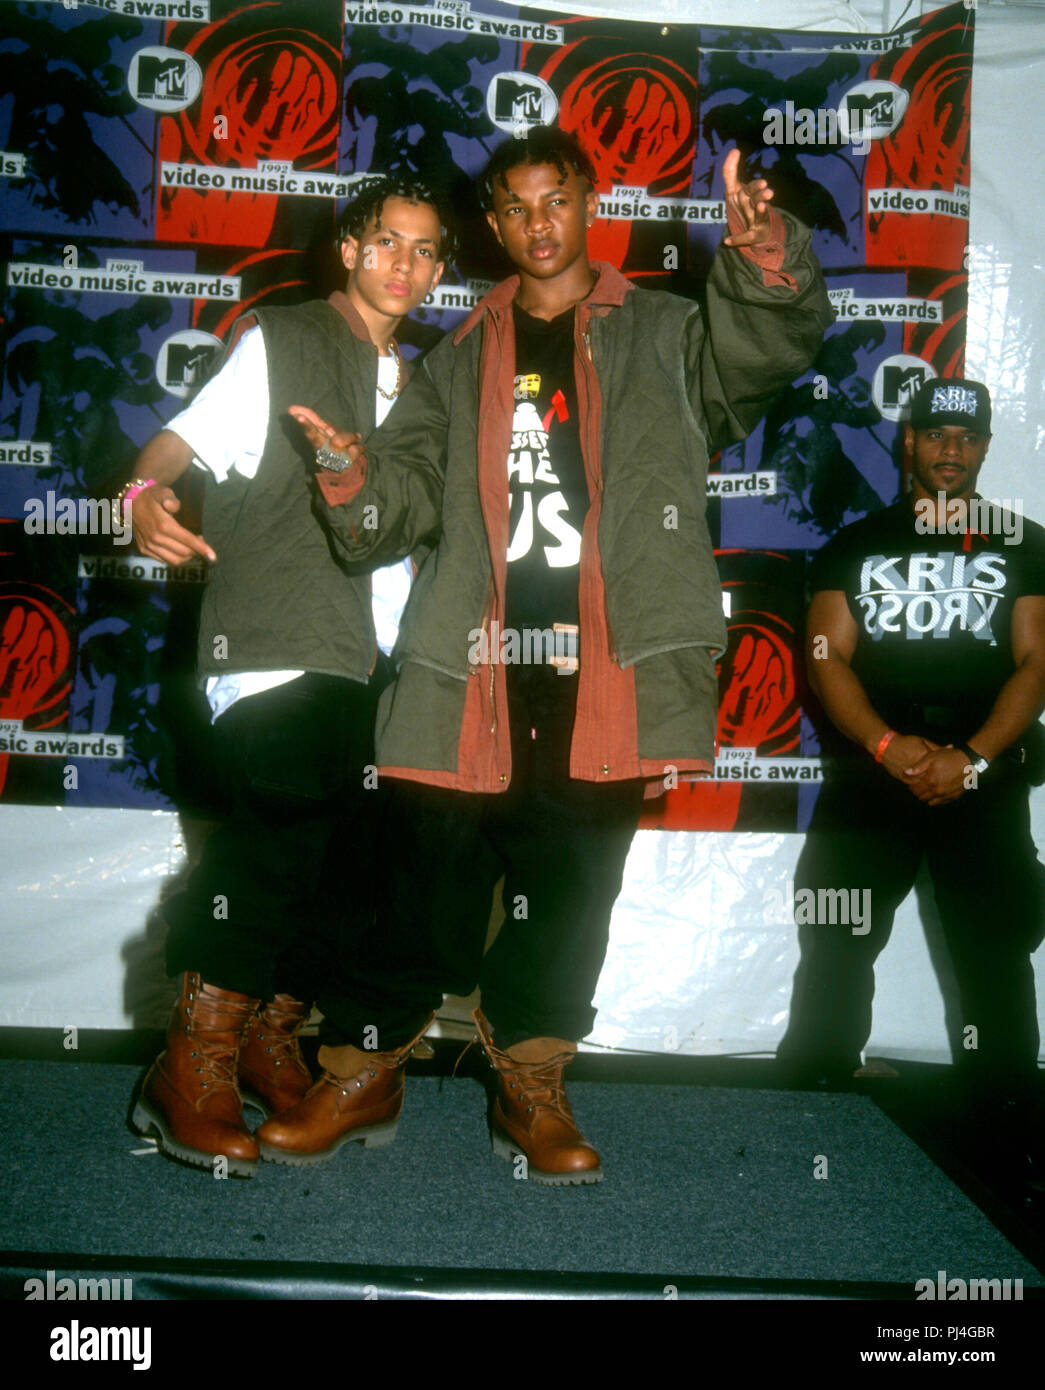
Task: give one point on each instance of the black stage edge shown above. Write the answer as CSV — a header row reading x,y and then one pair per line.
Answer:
x,y
728,1338
242,1279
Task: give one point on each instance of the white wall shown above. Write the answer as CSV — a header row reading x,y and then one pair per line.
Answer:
x,y
691,949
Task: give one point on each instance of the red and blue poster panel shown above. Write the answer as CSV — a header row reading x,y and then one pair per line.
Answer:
x,y
168,165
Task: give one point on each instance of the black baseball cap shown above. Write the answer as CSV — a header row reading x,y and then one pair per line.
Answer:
x,y
952,401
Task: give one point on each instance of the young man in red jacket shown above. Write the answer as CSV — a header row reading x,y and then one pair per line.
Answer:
x,y
558,651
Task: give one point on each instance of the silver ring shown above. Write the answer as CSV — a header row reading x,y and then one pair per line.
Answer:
x,y
333,459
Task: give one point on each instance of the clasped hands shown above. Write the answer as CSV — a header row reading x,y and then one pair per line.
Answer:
x,y
934,774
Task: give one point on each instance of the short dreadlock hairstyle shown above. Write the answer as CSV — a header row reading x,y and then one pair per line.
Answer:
x,y
541,144
371,198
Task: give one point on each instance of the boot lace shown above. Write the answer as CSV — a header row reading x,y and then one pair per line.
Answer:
x,y
540,1084
217,1058
283,1047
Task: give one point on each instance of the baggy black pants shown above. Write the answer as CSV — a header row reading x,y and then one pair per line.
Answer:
x,y
285,884
561,846
869,832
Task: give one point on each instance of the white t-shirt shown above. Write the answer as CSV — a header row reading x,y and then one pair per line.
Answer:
x,y
226,426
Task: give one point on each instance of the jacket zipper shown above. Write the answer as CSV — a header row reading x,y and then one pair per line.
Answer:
x,y
586,335
487,615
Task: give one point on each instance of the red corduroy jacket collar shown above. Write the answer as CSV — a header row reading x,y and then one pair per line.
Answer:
x,y
609,291
341,302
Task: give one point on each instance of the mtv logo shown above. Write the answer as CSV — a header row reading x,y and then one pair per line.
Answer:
x,y
518,101
900,385
187,363
869,111
527,107
162,79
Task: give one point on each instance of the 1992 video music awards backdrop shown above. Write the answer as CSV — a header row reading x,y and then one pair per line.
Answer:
x,y
167,165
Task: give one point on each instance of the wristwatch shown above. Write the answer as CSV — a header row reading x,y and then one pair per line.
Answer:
x,y
977,761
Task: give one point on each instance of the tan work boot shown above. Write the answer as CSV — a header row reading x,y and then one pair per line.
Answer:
x,y
189,1095
358,1096
272,1072
531,1114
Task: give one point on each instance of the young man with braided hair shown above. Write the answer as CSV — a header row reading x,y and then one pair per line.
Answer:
x,y
295,653
558,651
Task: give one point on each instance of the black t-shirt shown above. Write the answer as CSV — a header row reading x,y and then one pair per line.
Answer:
x,y
933,609
548,492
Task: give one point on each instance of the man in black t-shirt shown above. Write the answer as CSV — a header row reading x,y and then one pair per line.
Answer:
x,y
557,654
926,646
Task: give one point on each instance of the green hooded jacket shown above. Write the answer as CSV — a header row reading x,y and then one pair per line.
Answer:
x,y
660,387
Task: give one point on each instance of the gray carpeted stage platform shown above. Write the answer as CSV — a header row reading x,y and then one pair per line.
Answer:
x,y
701,1183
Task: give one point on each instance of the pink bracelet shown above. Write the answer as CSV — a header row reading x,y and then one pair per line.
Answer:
x,y
887,738
132,489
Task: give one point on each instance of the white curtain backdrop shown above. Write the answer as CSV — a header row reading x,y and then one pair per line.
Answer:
x,y
701,957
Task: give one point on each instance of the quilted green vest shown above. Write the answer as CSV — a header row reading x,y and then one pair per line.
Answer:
x,y
276,595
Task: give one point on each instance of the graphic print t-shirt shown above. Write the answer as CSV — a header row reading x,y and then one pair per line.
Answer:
x,y
548,494
933,609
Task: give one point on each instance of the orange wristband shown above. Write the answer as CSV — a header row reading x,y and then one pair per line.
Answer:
x,y
887,738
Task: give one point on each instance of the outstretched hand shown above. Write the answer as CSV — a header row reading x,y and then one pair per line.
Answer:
x,y
749,202
322,435
156,532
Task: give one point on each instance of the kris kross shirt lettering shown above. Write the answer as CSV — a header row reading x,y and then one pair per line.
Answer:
x,y
548,493
933,608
